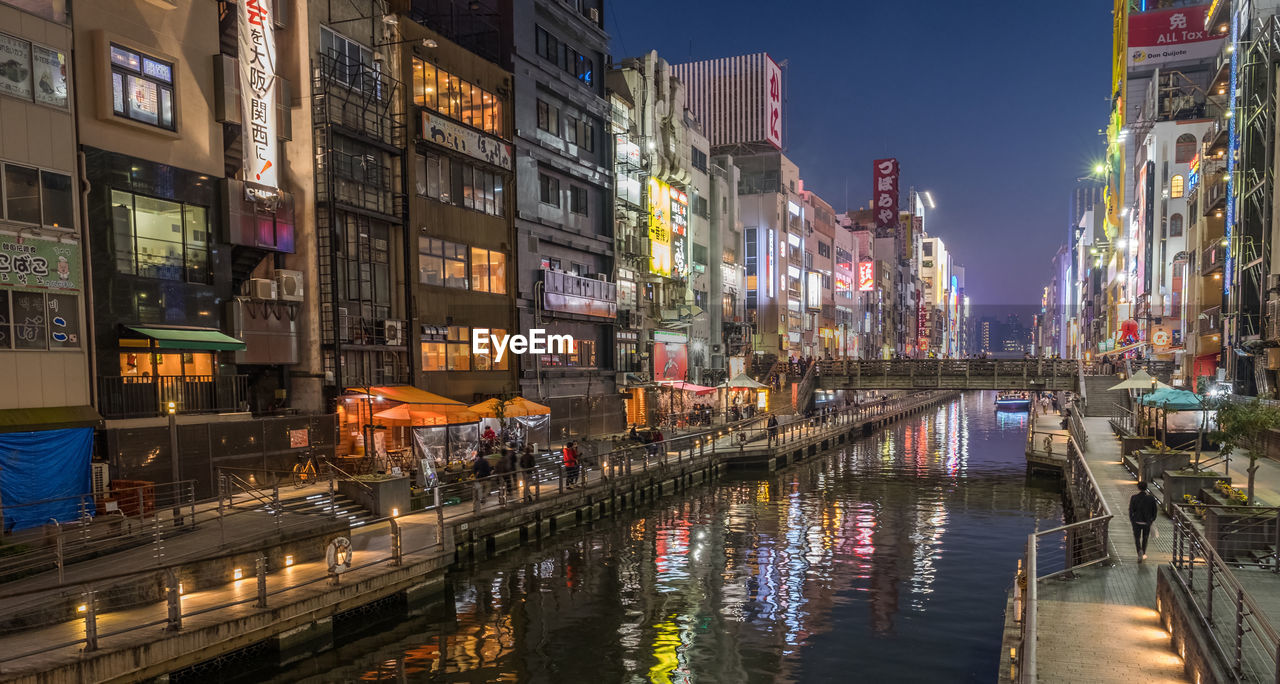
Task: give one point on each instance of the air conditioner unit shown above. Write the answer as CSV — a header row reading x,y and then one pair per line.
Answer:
x,y
344,325
393,332
1273,281
261,288
101,477
594,14
603,277
289,285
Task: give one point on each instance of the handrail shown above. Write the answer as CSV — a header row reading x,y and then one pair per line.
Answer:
x,y
257,494
345,474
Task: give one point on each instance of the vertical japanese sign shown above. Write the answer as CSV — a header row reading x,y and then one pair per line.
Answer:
x,y
773,102
866,276
256,36
885,192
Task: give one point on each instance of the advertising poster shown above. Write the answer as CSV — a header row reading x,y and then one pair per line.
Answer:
x,y
670,361
866,276
773,103
1175,35
668,229
15,67
885,191
255,30
35,263
50,75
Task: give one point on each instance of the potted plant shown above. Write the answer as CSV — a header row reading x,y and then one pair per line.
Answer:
x,y
1244,425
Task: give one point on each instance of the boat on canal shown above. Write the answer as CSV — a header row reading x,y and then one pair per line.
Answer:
x,y
1013,401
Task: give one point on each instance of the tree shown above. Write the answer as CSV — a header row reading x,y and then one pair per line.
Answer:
x,y
1244,425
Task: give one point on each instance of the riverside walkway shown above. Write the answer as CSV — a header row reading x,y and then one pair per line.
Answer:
x,y
126,618
1101,624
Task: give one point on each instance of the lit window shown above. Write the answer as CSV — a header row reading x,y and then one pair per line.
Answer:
x,y
488,271
442,263
142,88
1177,185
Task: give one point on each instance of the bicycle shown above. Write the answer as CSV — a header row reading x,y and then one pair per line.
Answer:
x,y
304,473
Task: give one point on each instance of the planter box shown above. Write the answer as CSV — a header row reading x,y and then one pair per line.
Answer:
x,y
380,497
1176,485
1152,465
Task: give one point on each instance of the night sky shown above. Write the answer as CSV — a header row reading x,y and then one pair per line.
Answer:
x,y
993,106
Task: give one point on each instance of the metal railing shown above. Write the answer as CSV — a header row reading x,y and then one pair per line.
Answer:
x,y
128,396
1076,545
107,521
88,601
1241,635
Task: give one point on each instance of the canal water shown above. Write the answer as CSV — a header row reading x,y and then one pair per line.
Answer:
x,y
885,561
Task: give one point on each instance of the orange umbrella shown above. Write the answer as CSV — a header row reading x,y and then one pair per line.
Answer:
x,y
518,406
429,414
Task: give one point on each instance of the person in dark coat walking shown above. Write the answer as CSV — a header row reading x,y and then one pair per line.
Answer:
x,y
527,464
772,424
482,469
1142,514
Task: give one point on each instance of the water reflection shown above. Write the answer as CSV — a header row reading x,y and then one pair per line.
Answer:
x,y
885,561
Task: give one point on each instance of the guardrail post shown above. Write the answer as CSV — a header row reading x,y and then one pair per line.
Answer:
x,y
275,503
1239,630
58,553
261,568
173,597
159,536
435,491
397,551
475,497
90,621
333,504
561,473
1209,594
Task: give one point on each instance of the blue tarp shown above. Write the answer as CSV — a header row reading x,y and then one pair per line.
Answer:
x,y
43,465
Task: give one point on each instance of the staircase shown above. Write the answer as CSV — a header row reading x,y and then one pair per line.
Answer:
x,y
1100,402
318,504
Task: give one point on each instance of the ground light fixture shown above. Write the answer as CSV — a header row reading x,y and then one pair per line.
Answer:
x,y
288,560
237,573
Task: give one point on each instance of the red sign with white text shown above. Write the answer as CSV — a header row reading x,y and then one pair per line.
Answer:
x,y
866,276
1174,35
885,191
773,103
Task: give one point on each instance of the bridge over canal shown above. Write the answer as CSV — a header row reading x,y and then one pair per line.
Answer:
x,y
950,374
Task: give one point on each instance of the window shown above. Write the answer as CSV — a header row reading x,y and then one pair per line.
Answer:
x,y
142,88
548,46
578,200
1177,186
438,90
548,118
28,63
571,130
155,238
147,365
433,177
699,159
484,360
433,358
36,196
701,207
488,271
442,263
458,348
928,249
551,49
38,321
699,254
1175,225
587,137
472,187
1185,149
349,62
548,190
824,249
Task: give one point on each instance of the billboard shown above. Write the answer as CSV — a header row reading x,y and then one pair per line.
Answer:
x,y
1175,35
668,229
257,43
813,291
773,102
670,360
866,276
885,191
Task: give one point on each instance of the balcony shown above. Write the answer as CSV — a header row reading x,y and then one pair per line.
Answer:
x,y
575,294
1209,322
1211,259
132,396
1213,197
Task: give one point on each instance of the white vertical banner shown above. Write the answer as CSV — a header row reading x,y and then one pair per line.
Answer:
x,y
256,36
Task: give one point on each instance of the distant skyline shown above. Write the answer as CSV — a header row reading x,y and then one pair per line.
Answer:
x,y
997,124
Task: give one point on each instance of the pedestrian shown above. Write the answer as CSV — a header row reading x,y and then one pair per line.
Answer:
x,y
570,455
527,464
481,469
1142,513
507,468
772,425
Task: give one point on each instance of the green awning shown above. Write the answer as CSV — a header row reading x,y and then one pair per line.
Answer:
x,y
190,338
51,418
